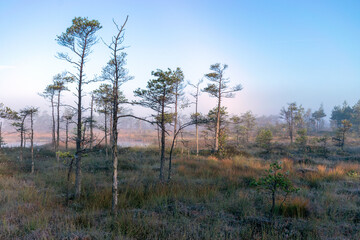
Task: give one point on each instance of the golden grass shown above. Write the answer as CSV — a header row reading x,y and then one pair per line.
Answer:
x,y
207,198
297,207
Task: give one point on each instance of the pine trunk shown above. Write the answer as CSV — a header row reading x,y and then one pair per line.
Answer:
x,y
162,156
91,121
32,144
67,135
196,124
58,124
53,123
78,135
106,136
115,156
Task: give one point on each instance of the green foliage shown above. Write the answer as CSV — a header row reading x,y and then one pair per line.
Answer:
x,y
7,113
340,136
211,125
318,117
159,92
80,33
294,118
352,173
64,155
263,139
323,149
276,181
301,139
103,97
340,113
117,69
168,117
219,88
244,125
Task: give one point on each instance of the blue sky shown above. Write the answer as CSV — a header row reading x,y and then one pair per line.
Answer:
x,y
280,51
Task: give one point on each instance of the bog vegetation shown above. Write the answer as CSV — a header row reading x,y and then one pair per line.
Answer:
x,y
208,176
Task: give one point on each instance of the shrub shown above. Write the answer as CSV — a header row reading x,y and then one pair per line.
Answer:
x,y
301,140
352,173
274,182
263,139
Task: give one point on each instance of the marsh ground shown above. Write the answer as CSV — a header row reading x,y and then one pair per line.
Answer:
x,y
207,198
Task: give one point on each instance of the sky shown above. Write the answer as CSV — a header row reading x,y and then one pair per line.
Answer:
x,y
280,51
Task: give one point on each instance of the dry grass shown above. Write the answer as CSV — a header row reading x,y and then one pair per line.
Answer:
x,y
206,199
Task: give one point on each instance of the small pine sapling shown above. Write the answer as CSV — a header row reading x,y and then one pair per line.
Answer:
x,y
275,181
263,139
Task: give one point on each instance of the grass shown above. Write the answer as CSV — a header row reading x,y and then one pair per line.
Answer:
x,y
206,199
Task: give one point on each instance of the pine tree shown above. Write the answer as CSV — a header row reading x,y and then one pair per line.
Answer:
x,y
79,38
219,88
159,96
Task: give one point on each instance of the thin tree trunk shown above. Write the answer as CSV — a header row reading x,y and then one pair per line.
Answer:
x,y
197,140
106,136
78,134
291,126
84,133
21,135
58,124
115,155
170,156
32,143
114,129
158,136
53,123
273,203
111,124
162,157
67,135
196,124
91,121
217,128
22,139
176,110
182,143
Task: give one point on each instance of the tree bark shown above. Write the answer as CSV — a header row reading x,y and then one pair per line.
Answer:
x,y
162,156
67,134
176,110
115,155
78,132
22,137
53,123
32,143
110,130
106,136
158,136
217,128
170,156
196,124
91,121
114,129
58,123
